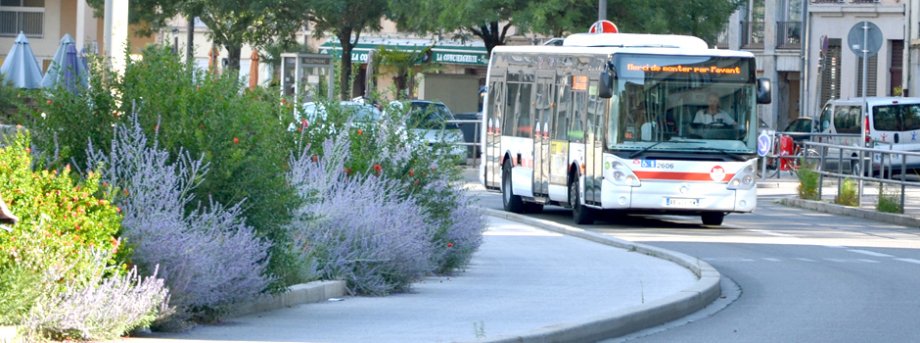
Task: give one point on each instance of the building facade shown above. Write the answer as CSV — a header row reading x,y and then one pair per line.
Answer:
x,y
45,22
802,45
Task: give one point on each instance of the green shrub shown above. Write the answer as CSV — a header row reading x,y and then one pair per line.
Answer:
x,y
847,195
889,202
239,133
60,222
808,182
63,122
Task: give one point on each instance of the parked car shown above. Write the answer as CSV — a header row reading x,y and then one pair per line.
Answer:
x,y
801,129
429,120
357,113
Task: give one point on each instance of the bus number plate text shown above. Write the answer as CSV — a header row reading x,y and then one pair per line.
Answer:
x,y
681,202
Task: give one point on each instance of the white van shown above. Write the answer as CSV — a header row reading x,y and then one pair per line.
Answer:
x,y
891,123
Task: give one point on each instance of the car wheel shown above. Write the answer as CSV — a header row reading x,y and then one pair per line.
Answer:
x,y
511,202
580,214
713,218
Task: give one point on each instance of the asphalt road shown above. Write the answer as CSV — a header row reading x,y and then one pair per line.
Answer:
x,y
790,275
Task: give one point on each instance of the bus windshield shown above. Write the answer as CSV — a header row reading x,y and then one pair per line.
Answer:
x,y
663,102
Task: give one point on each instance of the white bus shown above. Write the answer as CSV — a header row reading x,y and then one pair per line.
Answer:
x,y
630,122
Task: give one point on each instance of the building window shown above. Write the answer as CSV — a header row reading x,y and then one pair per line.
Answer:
x,y
27,16
753,25
789,28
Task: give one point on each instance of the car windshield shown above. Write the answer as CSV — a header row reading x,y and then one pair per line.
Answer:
x,y
361,112
429,116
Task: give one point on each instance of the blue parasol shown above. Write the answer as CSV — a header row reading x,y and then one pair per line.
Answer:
x,y
67,67
20,66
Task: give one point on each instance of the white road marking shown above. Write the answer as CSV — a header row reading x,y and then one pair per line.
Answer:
x,y
866,260
771,233
805,259
908,260
870,253
771,259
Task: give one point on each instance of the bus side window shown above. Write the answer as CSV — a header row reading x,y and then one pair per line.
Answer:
x,y
576,131
511,95
524,127
563,113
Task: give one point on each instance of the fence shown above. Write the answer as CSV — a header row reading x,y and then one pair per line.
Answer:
x,y
873,165
471,135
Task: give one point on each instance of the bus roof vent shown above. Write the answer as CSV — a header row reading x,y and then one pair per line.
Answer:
x,y
635,40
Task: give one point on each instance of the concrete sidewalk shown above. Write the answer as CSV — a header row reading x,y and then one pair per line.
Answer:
x,y
532,280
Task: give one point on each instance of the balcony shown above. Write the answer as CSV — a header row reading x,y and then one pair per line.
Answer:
x,y
789,35
845,1
752,35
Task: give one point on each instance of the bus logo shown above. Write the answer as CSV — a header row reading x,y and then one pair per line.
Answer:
x,y
717,173
648,163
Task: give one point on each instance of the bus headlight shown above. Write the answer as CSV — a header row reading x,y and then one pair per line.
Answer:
x,y
744,179
621,175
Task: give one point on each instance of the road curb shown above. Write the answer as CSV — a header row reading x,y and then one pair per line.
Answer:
x,y
305,293
820,206
623,322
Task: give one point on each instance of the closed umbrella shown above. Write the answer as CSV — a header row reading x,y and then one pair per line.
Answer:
x,y
67,68
253,70
20,66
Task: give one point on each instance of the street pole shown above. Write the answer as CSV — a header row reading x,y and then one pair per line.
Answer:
x,y
865,68
601,10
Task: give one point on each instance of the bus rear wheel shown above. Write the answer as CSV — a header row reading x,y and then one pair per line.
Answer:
x,y
713,218
511,202
580,214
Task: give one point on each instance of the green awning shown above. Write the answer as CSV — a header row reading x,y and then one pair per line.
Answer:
x,y
445,54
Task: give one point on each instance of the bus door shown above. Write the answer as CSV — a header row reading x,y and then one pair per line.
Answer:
x,y
594,147
559,140
496,107
543,114
578,127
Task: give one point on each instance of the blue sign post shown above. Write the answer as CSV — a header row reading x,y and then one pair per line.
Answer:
x,y
764,146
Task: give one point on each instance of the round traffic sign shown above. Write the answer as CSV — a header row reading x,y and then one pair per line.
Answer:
x,y
865,35
764,143
606,26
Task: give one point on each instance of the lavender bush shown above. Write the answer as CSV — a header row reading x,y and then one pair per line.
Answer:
x,y
101,309
358,228
209,258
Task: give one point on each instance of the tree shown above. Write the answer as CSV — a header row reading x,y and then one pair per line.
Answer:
x,y
491,20
488,20
346,19
232,23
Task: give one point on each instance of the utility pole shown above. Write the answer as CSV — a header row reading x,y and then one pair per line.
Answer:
x,y
601,10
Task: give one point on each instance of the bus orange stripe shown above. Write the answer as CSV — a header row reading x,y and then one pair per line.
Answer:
x,y
683,176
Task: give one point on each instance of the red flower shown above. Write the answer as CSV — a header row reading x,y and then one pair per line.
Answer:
x,y
450,244
236,140
28,150
411,172
304,124
283,101
314,158
48,101
360,132
377,168
347,171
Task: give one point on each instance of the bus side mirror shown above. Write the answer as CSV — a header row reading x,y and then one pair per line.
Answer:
x,y
764,91
605,90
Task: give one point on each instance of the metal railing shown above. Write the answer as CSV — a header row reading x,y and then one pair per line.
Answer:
x,y
789,34
875,165
471,137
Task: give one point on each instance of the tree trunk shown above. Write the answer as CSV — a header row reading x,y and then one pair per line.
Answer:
x,y
233,57
345,72
490,35
190,42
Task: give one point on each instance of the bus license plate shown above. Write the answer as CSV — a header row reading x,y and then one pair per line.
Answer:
x,y
682,202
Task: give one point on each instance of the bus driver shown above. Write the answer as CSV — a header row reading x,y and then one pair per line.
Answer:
x,y
713,114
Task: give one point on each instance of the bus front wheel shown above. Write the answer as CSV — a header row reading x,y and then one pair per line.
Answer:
x,y
511,202
713,218
580,214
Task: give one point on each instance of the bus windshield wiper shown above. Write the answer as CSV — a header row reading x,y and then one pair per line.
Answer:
x,y
643,150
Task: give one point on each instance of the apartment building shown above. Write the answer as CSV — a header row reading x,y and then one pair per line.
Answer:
x,y
45,22
802,45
